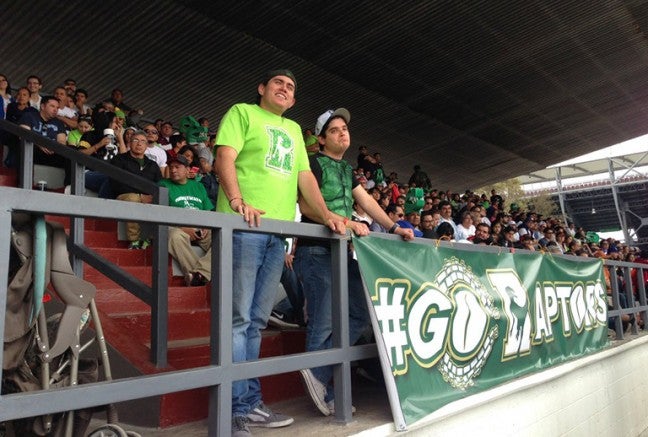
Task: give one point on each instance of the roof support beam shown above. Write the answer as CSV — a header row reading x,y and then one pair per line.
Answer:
x,y
615,196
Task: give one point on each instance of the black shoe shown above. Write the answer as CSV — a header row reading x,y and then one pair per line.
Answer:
x,y
197,279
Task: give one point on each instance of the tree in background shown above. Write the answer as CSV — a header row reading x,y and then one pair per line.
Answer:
x,y
512,192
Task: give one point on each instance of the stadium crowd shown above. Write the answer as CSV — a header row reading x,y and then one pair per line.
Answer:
x,y
181,157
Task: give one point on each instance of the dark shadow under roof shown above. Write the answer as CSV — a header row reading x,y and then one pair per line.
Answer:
x,y
474,92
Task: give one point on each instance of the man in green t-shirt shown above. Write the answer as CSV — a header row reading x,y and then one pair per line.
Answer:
x,y
262,164
189,194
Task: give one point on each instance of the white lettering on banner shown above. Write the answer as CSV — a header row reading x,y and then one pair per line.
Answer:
x,y
431,309
390,312
515,304
449,322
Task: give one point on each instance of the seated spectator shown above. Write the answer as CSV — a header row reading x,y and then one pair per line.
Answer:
x,y
203,136
70,87
117,99
154,151
15,111
526,242
208,179
120,117
84,125
128,133
166,130
548,236
427,225
5,95
465,229
311,143
176,142
34,85
188,194
446,215
81,102
561,236
414,218
191,154
445,231
104,142
508,237
135,161
482,235
46,124
395,213
65,113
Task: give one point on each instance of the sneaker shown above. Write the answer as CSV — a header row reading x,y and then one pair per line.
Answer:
x,y
331,406
280,320
316,390
144,244
136,245
264,417
240,427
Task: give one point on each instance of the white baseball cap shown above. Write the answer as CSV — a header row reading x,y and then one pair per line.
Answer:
x,y
323,120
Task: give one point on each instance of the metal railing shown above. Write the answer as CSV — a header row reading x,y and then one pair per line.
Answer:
x,y
156,295
219,375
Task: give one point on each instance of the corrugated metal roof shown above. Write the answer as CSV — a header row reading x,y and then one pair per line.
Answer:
x,y
474,91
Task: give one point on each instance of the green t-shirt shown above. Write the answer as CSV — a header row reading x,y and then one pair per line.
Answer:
x,y
191,195
271,154
74,137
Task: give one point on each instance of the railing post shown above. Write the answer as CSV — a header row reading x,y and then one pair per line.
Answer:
x,y
160,287
26,164
220,396
340,323
5,243
77,224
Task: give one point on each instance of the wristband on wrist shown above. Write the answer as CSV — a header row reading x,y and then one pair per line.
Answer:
x,y
393,228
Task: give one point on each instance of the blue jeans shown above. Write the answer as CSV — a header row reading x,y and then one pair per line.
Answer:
x,y
313,267
295,296
99,183
257,264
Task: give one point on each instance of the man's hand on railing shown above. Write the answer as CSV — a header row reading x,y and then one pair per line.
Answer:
x,y
251,215
358,228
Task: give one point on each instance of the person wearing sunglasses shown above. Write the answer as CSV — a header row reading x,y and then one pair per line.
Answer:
x,y
155,150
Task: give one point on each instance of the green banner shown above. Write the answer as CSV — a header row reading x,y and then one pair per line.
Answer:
x,y
450,322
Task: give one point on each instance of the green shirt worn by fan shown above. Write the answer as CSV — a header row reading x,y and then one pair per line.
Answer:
x,y
191,195
271,154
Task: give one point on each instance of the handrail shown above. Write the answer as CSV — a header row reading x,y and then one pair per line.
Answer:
x,y
154,296
222,371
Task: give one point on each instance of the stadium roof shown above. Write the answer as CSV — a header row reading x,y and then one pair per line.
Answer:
x,y
474,91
